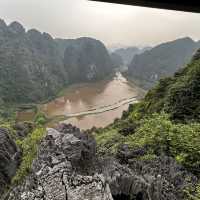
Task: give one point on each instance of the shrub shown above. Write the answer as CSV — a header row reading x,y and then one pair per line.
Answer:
x,y
108,141
182,141
40,119
29,148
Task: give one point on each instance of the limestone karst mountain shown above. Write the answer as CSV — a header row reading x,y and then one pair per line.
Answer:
x,y
127,54
87,59
34,64
117,60
161,61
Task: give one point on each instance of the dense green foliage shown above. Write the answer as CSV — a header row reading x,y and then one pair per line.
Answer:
x,y
40,119
166,122
108,141
158,135
179,96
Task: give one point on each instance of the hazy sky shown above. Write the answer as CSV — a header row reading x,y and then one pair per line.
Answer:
x,y
110,23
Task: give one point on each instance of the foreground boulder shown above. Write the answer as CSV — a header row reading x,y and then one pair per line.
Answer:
x,y
64,169
67,167
9,158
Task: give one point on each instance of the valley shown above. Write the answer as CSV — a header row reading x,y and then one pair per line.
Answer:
x,y
90,104
79,121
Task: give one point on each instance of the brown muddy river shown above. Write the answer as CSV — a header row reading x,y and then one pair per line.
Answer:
x,y
94,104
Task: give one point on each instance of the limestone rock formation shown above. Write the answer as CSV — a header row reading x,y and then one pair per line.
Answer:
x,y
87,59
29,64
64,169
117,60
161,61
33,63
127,54
67,167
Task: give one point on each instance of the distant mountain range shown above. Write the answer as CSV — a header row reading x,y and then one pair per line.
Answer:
x,y
34,66
117,60
127,54
161,61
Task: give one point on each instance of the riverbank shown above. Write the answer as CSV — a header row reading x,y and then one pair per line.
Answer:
x,y
86,104
31,109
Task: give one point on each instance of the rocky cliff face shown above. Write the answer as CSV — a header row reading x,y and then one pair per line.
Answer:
x,y
67,167
9,158
162,60
62,44
116,60
29,64
32,63
127,54
87,59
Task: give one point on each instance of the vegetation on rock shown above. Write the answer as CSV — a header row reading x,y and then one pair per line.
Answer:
x,y
29,146
165,123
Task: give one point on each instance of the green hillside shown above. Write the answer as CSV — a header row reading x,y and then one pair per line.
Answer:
x,y
165,123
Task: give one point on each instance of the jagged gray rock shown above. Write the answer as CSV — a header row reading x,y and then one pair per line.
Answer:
x,y
68,168
60,171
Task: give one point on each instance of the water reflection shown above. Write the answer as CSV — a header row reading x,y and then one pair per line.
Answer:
x,y
84,97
